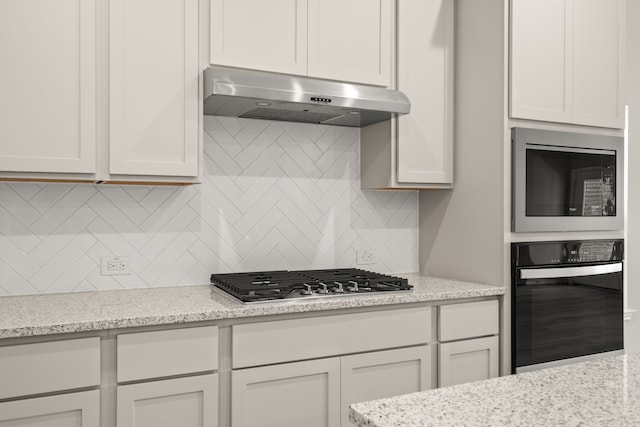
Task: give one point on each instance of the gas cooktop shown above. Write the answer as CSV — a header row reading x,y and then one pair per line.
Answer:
x,y
268,286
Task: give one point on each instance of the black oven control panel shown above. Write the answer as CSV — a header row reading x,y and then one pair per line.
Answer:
x,y
566,252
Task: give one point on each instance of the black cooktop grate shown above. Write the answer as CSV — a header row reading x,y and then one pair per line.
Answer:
x,y
283,284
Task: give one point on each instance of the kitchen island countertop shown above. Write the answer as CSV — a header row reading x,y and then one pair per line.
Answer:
x,y
33,315
604,392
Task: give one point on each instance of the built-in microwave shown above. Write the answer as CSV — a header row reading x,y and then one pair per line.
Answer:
x,y
565,181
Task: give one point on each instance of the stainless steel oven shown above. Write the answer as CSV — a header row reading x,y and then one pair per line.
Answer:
x,y
567,302
565,181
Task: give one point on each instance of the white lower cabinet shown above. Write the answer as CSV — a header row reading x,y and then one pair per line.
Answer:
x,y
467,361
157,357
65,410
184,402
371,376
319,392
307,371
60,367
469,343
287,395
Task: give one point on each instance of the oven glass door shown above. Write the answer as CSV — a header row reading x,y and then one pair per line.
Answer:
x,y
564,181
567,312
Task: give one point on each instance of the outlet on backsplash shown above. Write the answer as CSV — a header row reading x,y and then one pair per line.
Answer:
x,y
113,265
365,257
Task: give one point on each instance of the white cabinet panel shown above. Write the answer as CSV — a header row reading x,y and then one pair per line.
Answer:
x,y
371,376
48,86
184,402
66,410
154,87
255,34
351,40
540,59
287,395
567,61
425,74
466,361
416,151
329,39
598,43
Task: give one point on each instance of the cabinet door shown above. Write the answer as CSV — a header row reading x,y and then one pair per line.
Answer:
x,y
287,395
351,40
425,74
47,90
263,35
154,125
184,402
541,59
598,45
467,361
65,410
371,376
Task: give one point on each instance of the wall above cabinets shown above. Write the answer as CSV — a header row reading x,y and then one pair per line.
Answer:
x,y
97,92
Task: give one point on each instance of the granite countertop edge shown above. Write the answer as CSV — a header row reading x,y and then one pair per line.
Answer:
x,y
602,392
48,314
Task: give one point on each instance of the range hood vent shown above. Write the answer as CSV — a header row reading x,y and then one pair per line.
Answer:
x,y
270,96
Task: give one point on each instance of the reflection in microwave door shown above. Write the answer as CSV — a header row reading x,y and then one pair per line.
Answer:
x,y
598,198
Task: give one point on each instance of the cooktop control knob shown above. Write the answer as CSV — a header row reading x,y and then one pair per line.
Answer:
x,y
323,289
353,287
338,289
307,290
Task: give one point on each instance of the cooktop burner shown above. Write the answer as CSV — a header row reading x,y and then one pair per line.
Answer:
x,y
280,285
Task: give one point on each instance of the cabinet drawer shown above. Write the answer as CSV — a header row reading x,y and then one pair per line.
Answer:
x,y
288,340
472,319
164,353
49,366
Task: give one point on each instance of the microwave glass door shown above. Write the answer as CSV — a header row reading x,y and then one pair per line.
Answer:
x,y
570,182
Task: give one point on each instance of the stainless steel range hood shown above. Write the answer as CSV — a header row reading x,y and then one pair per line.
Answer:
x,y
271,96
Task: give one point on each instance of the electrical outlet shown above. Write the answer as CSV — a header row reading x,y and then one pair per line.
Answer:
x,y
365,257
113,265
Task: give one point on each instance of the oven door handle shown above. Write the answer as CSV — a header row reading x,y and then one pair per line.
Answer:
x,y
557,272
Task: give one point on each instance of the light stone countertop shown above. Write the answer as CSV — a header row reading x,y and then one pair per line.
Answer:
x,y
31,315
604,392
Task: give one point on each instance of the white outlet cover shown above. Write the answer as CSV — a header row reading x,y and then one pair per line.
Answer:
x,y
124,263
365,257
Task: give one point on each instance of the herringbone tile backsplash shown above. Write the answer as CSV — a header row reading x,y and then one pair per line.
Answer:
x,y
273,196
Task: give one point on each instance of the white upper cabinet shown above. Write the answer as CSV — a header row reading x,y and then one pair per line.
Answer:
x,y
100,91
48,86
154,87
567,61
416,150
267,35
425,74
598,62
330,39
350,40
